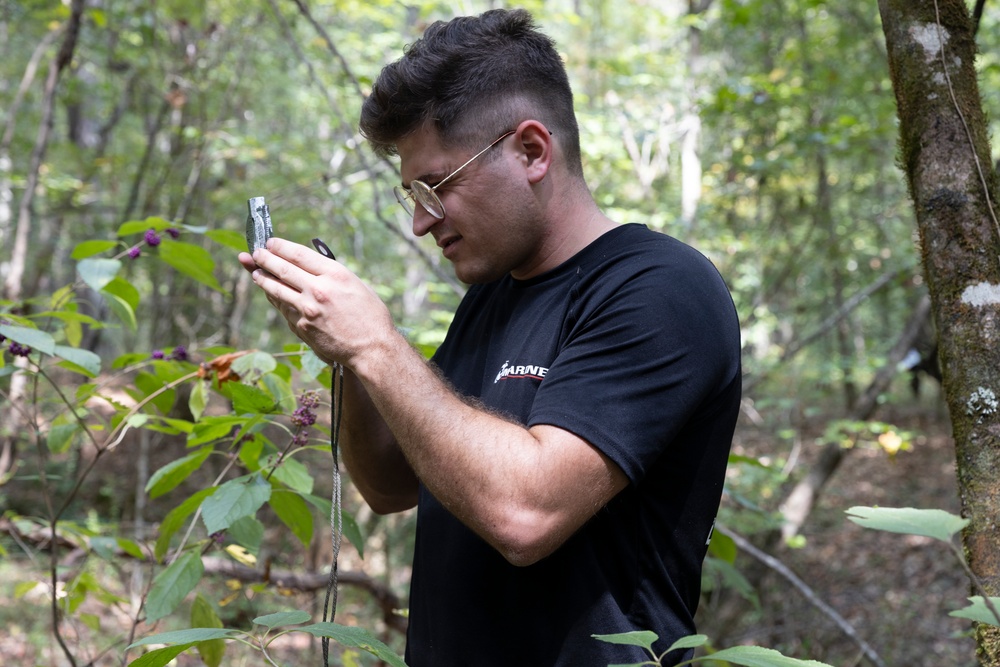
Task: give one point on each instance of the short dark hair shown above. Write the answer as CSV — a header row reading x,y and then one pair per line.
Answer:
x,y
474,77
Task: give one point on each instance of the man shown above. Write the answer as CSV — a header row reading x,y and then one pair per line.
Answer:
x,y
567,446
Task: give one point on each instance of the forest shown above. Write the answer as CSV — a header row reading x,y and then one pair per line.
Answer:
x,y
168,489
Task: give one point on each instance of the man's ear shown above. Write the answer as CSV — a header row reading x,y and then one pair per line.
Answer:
x,y
537,147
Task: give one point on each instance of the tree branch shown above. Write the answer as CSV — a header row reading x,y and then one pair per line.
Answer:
x,y
808,593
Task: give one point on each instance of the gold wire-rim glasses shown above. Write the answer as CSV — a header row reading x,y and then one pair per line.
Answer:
x,y
425,195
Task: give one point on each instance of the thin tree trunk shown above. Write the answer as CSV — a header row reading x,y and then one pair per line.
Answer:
x,y
12,282
946,154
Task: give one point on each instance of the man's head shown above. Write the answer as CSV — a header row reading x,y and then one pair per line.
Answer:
x,y
472,79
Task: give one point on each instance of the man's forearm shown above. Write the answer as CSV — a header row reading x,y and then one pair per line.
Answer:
x,y
370,452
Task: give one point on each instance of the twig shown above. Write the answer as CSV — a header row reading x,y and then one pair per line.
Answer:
x,y
805,590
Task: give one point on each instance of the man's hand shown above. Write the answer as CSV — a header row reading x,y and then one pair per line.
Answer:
x,y
325,305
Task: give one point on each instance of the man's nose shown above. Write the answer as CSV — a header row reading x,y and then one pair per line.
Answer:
x,y
422,220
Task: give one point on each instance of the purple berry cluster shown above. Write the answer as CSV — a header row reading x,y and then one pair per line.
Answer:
x,y
179,354
152,239
304,417
15,348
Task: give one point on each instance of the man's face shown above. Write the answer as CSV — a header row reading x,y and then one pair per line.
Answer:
x,y
491,225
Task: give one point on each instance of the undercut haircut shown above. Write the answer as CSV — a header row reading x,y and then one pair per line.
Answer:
x,y
474,78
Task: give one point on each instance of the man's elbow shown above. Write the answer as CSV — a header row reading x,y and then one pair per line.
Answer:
x,y
526,541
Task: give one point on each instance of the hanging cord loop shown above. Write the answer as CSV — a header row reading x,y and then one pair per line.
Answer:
x,y
336,511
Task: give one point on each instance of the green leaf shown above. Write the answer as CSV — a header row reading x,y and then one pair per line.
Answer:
x,y
86,361
140,226
176,517
722,547
283,618
229,238
254,364
60,436
203,616
198,399
97,273
235,499
691,641
282,391
33,338
356,638
191,260
247,532
758,656
294,513
169,476
130,547
643,638
189,636
211,429
978,611
123,298
934,523
312,365
352,531
247,399
293,474
173,584
87,249
159,657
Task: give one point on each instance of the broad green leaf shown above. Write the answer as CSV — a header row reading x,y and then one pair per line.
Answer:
x,y
978,611
312,365
140,226
934,523
203,616
254,364
191,260
643,638
189,636
691,641
356,638
124,289
151,385
97,273
85,360
198,399
176,517
235,499
247,532
33,338
722,547
130,547
758,656
159,657
283,618
121,309
281,389
351,529
86,249
229,238
293,474
60,436
173,584
211,429
169,476
251,400
294,513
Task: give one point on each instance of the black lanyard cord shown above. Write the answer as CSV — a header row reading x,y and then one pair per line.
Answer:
x,y
336,512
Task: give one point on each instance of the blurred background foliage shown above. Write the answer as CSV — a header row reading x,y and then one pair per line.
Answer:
x,y
763,132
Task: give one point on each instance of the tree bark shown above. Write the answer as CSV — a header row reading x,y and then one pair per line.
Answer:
x,y
946,154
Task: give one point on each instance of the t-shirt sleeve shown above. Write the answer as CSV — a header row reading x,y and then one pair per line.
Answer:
x,y
647,354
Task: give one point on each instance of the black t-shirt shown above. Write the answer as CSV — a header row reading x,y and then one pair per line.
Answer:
x,y
633,345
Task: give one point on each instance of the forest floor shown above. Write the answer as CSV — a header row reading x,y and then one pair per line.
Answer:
x,y
895,590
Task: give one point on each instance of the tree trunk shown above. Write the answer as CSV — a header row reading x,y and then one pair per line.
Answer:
x,y
946,155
